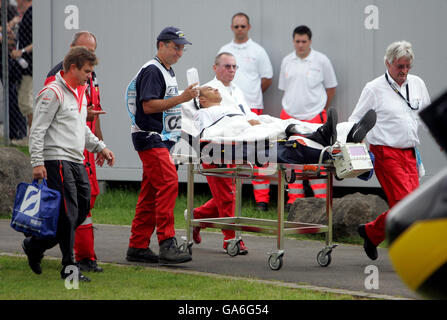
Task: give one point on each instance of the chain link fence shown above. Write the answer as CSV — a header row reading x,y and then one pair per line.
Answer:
x,y
16,105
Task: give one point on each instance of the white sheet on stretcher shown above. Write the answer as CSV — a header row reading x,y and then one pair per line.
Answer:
x,y
237,128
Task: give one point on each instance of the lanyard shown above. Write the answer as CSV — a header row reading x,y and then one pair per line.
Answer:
x,y
407,100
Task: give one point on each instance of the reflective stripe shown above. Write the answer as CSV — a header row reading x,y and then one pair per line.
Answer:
x,y
87,221
317,181
260,186
318,187
319,191
296,191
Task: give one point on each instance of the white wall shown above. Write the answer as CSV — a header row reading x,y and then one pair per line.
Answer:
x,y
127,31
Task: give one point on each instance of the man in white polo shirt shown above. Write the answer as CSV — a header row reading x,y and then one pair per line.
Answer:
x,y
222,204
396,97
308,81
253,77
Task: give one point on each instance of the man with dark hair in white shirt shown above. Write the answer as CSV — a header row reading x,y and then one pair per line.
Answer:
x,y
396,97
309,83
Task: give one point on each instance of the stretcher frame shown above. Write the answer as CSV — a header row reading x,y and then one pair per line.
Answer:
x,y
278,227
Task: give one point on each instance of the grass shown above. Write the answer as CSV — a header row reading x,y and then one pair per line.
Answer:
x,y
138,283
117,206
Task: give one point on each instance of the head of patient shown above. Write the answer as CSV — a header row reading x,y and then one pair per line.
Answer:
x,y
209,97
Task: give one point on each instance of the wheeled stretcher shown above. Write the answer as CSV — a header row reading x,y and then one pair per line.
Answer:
x,y
282,173
341,160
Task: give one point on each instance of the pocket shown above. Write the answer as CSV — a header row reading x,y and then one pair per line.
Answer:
x,y
314,77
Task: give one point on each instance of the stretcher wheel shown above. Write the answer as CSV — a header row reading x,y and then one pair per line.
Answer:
x,y
324,258
275,262
233,248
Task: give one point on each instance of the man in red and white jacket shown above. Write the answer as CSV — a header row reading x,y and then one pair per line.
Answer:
x,y
57,141
84,241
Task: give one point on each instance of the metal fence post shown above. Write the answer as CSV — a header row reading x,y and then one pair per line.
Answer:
x,y
5,74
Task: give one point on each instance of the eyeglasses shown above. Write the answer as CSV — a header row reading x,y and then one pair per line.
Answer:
x,y
240,26
178,49
404,66
230,66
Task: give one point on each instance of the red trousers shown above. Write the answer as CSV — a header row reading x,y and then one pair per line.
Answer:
x,y
296,190
397,173
84,247
156,201
261,188
222,204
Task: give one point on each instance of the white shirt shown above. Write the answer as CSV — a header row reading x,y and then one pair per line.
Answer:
x,y
304,82
254,64
396,125
232,96
205,117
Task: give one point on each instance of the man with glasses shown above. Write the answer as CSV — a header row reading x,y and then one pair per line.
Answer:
x,y
255,69
309,83
253,77
225,67
396,97
156,128
223,190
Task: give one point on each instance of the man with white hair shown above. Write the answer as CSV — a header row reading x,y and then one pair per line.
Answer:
x,y
396,97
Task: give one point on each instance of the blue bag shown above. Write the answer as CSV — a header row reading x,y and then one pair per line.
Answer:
x,y
368,175
36,209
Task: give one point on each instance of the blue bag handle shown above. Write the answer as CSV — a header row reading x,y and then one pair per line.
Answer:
x,y
36,182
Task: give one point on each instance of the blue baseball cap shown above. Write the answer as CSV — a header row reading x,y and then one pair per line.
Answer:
x,y
173,34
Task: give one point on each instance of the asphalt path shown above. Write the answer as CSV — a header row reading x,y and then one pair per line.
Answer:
x,y
348,271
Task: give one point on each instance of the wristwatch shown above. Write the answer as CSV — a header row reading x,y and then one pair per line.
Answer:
x,y
23,50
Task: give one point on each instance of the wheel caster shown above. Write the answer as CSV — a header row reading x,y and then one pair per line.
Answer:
x,y
185,246
324,258
275,262
233,248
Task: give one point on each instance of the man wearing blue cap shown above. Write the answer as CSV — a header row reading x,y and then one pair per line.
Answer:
x,y
156,126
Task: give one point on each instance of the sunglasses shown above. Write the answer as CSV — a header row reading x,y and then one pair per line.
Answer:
x,y
230,66
240,26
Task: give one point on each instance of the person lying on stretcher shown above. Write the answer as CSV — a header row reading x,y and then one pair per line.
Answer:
x,y
214,120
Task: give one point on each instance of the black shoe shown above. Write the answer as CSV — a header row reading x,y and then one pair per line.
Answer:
x,y
170,253
291,130
360,129
74,268
370,248
326,135
88,265
141,255
262,206
33,259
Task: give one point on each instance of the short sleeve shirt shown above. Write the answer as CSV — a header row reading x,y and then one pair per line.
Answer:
x,y
304,82
254,64
150,84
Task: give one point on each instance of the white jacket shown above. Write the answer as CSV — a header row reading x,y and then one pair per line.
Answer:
x,y
59,130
